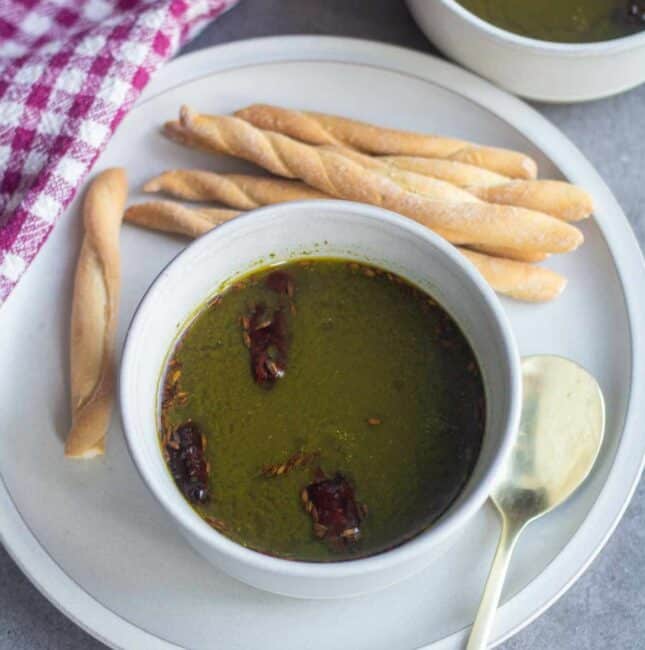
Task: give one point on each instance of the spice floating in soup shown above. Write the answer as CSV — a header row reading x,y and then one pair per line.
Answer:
x,y
565,21
321,410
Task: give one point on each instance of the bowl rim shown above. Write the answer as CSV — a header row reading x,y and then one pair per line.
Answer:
x,y
519,41
453,519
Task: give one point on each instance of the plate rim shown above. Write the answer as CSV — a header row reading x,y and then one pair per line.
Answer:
x,y
113,630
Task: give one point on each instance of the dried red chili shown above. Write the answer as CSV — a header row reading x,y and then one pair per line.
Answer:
x,y
333,508
265,332
185,448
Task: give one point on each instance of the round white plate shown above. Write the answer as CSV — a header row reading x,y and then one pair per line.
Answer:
x,y
94,540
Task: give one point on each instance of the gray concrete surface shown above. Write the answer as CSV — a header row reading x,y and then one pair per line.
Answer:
x,y
605,608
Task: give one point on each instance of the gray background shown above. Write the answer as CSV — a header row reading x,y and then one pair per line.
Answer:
x,y
605,609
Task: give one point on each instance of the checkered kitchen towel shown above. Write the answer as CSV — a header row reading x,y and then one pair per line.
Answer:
x,y
69,71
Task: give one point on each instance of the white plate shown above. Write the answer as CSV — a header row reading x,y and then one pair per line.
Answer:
x,y
94,540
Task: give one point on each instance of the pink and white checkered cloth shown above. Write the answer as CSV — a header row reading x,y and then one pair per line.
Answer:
x,y
69,72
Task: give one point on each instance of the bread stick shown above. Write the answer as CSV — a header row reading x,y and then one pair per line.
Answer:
x,y
517,279
247,192
174,131
327,171
451,171
172,217
433,188
437,190
557,198
562,200
511,253
234,190
94,315
320,128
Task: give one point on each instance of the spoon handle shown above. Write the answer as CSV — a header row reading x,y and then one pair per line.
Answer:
x,y
490,600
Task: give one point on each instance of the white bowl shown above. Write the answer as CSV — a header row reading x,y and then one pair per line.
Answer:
x,y
322,228
542,70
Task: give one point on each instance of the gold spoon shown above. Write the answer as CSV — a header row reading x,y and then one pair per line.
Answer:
x,y
561,430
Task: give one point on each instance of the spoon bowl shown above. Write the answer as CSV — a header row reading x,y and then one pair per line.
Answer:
x,y
561,432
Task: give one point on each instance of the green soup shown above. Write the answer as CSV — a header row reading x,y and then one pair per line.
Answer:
x,y
566,21
321,410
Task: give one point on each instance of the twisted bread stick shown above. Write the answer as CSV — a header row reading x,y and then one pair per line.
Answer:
x,y
455,173
451,171
176,218
247,192
557,198
463,223
433,188
235,190
174,131
511,253
517,279
319,128
94,315
437,190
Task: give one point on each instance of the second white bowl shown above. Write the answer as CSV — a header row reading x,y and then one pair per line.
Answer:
x,y
542,70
